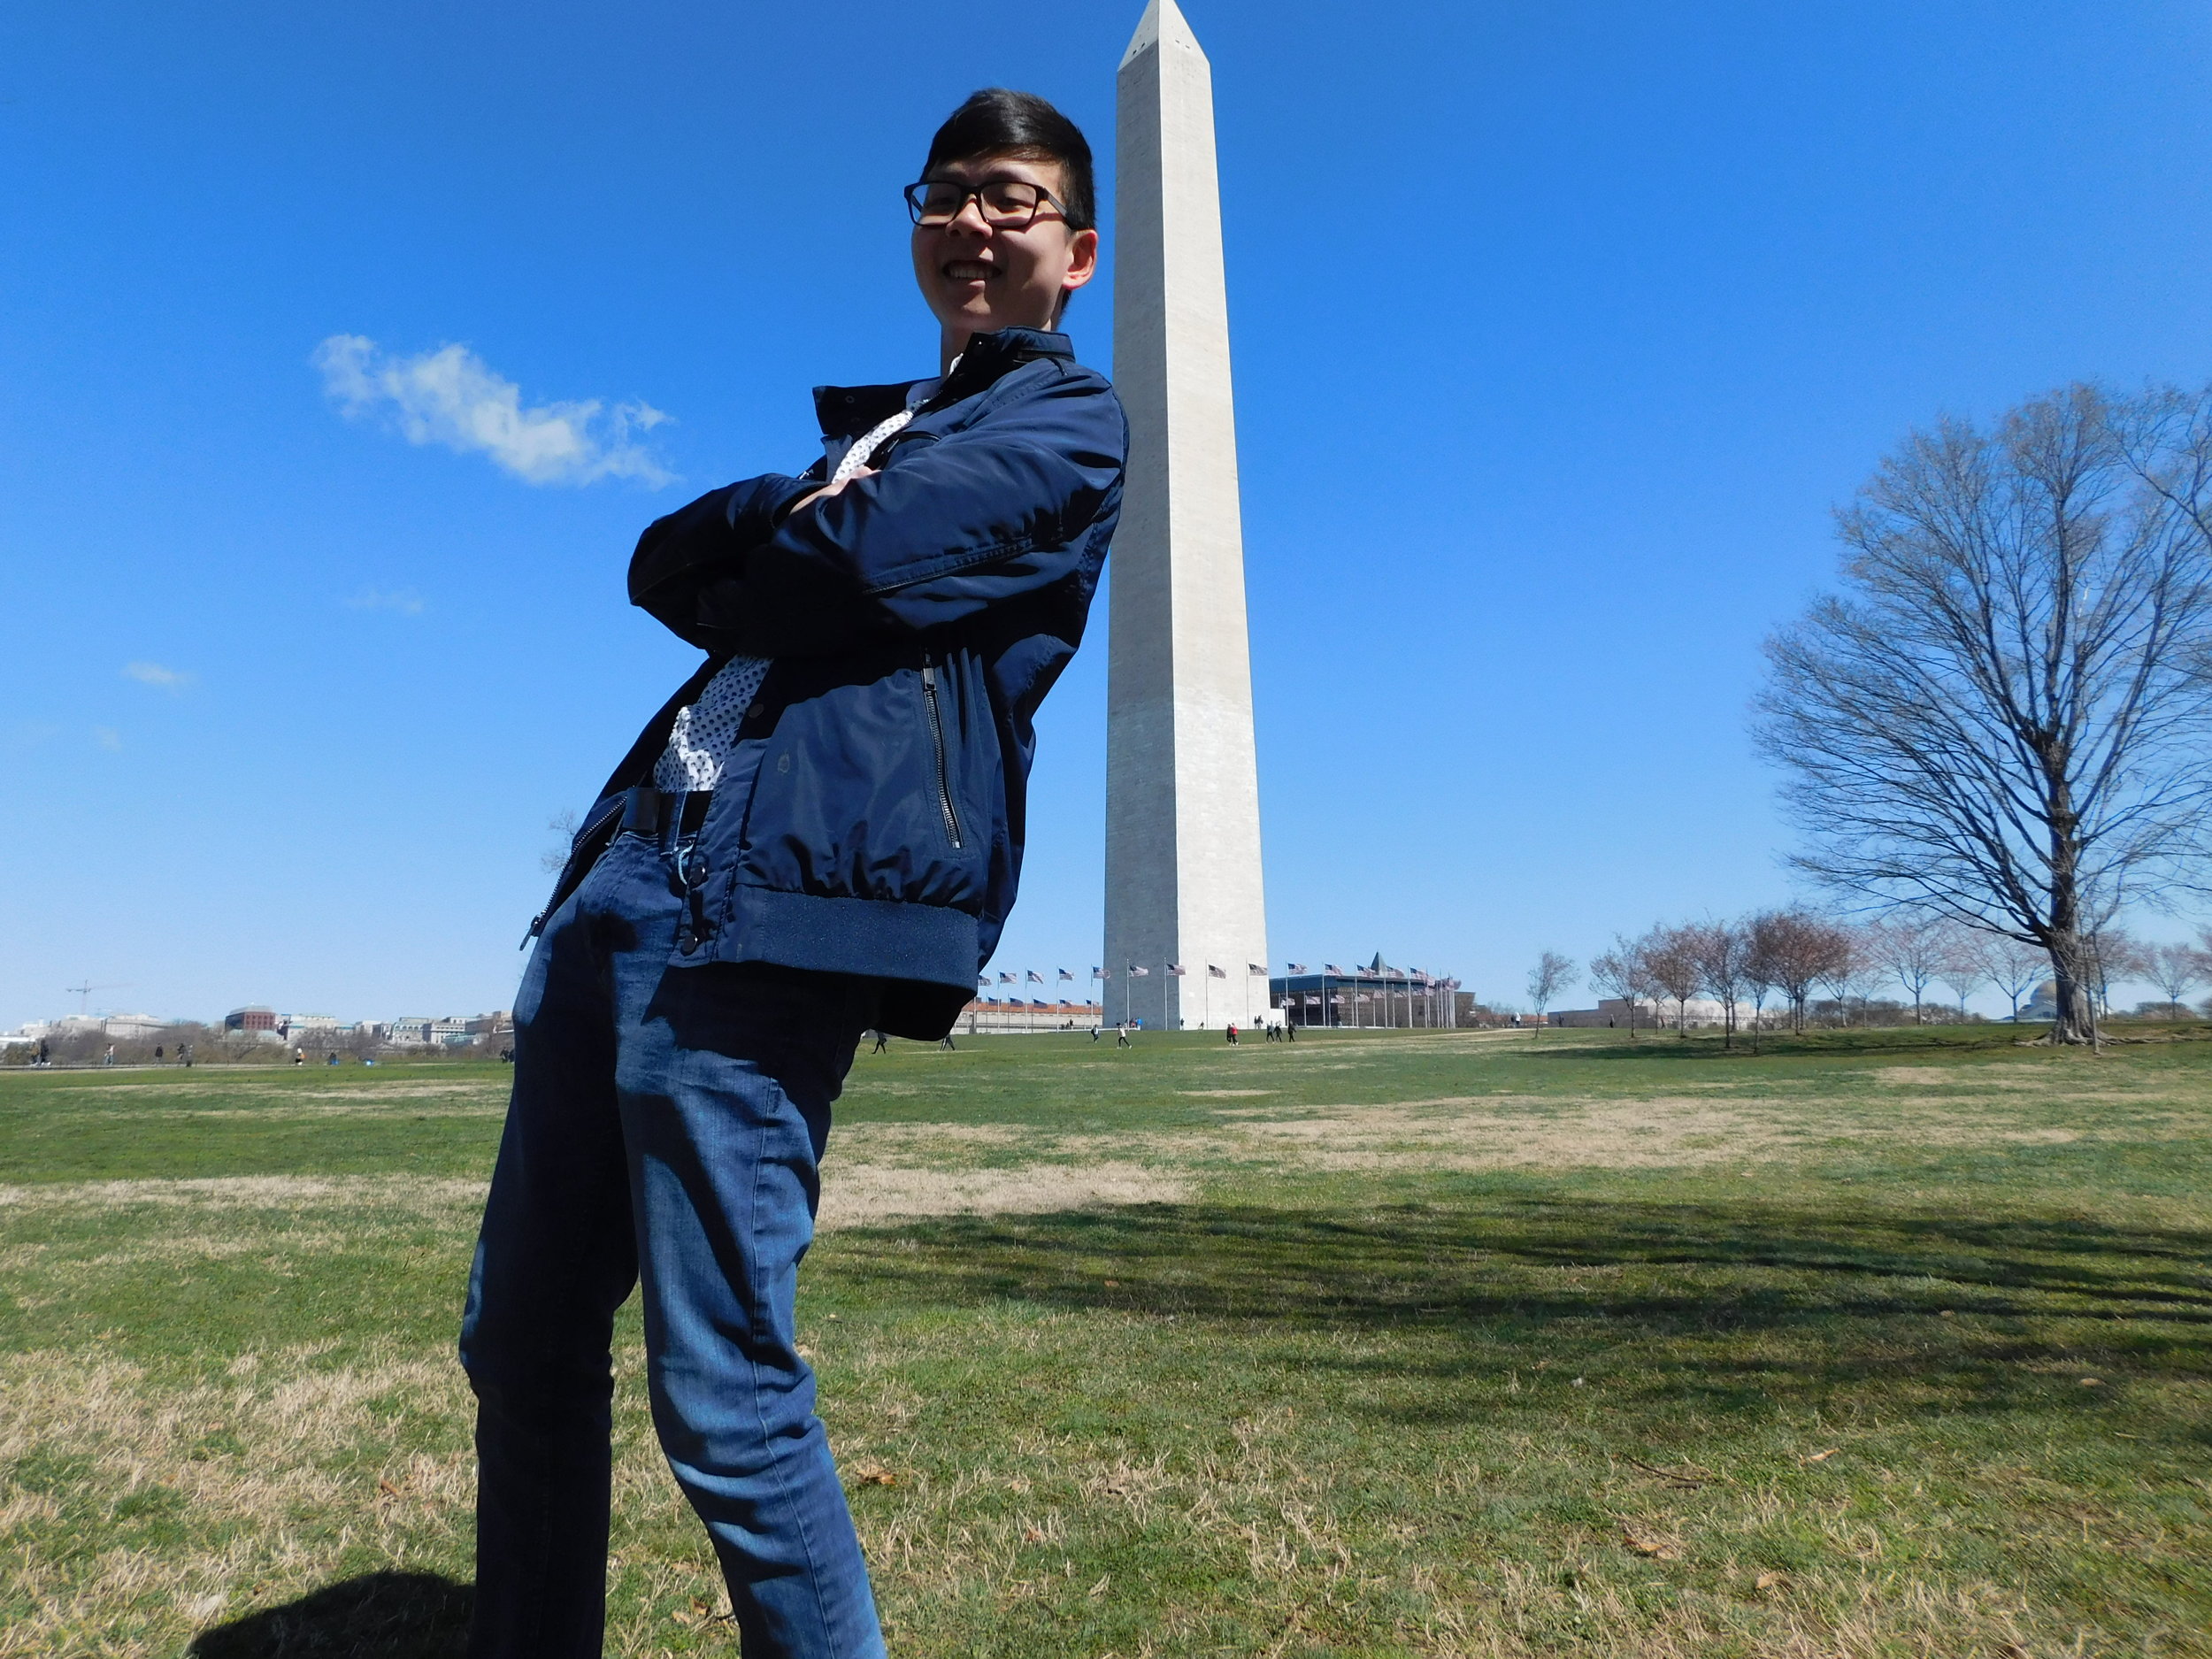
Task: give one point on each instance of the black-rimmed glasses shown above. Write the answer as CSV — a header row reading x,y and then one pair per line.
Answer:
x,y
1006,203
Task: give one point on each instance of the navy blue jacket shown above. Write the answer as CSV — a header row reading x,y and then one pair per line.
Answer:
x,y
870,819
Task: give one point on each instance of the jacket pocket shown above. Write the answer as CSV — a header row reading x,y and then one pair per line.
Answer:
x,y
933,710
866,790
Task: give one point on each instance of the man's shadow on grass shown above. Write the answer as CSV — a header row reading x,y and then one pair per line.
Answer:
x,y
378,1616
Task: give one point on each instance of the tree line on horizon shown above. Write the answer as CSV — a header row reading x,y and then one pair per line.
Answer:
x,y
213,1044
1787,957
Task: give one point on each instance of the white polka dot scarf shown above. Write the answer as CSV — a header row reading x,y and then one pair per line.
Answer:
x,y
700,743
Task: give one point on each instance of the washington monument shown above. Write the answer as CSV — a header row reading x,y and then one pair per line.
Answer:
x,y
1183,885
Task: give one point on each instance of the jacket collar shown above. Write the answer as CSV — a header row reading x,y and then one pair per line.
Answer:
x,y
846,412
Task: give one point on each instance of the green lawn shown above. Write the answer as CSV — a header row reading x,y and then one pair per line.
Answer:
x,y
1888,1343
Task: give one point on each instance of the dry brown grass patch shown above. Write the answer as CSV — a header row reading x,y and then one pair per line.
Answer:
x,y
859,1195
251,1192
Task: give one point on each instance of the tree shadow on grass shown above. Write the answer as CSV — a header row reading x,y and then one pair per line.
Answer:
x,y
1878,1042
1888,1042
378,1616
1722,1302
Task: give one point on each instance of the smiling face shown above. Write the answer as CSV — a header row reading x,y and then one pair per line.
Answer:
x,y
979,278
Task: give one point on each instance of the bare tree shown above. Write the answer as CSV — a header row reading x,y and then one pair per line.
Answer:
x,y
1622,972
2004,716
1910,949
1721,950
1669,955
2112,957
1552,974
555,858
1794,948
1761,971
2176,970
1960,962
1846,970
2013,966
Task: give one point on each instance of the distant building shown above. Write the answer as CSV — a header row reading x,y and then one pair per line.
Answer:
x,y
132,1027
1377,995
449,1031
1013,1014
254,1017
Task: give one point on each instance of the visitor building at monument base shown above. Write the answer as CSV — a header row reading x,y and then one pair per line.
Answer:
x,y
989,1014
1377,997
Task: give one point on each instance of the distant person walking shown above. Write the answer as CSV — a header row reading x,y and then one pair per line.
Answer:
x,y
1121,1035
883,1042
1232,1034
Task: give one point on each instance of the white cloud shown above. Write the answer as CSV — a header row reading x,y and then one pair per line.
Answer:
x,y
406,601
169,680
107,737
452,396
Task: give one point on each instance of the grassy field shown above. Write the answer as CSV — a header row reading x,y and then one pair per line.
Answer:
x,y
1409,1344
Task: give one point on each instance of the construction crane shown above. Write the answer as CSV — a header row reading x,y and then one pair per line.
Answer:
x,y
84,992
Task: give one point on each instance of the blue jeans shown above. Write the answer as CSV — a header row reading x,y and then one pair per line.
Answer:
x,y
665,1129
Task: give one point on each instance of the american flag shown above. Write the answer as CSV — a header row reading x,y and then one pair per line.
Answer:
x,y
1256,969
1330,967
1135,972
1297,967
1213,973
1006,979
1070,977
983,978
1101,974
1035,977
1175,968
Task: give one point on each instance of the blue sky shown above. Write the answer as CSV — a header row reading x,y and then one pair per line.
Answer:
x,y
1559,331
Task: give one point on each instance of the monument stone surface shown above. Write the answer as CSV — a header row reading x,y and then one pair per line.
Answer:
x,y
1183,885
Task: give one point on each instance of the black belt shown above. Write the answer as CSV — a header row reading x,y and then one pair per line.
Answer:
x,y
648,810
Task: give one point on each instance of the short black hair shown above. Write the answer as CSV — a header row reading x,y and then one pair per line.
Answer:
x,y
999,122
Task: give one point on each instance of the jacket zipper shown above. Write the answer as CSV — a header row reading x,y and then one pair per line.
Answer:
x,y
937,737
